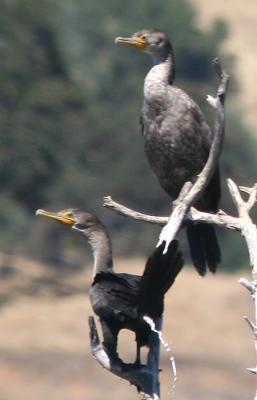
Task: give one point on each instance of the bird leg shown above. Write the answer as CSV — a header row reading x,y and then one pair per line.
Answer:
x,y
138,358
145,377
110,334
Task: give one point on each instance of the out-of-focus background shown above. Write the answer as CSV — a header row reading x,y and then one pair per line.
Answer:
x,y
69,134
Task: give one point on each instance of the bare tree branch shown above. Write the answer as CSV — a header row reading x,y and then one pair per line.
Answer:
x,y
169,232
220,219
249,231
144,377
242,223
128,212
248,285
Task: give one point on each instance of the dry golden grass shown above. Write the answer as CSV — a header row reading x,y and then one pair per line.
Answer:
x,y
241,18
44,343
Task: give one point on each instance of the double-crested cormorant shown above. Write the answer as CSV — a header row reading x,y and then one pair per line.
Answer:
x,y
119,299
177,140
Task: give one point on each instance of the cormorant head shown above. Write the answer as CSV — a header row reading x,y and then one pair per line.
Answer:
x,y
90,227
74,218
151,41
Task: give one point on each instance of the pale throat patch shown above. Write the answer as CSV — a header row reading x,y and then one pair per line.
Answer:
x,y
156,80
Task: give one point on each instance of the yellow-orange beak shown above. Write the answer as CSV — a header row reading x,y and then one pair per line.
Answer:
x,y
137,42
60,216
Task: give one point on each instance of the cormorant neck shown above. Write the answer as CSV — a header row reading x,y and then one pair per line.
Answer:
x,y
161,74
166,66
100,243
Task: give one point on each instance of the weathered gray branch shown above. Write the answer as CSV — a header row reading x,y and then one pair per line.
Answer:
x,y
128,212
249,232
177,217
241,223
144,377
220,219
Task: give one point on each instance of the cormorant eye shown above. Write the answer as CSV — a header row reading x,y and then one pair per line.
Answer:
x,y
81,226
159,41
143,37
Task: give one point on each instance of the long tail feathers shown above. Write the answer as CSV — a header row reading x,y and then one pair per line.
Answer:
x,y
159,275
204,247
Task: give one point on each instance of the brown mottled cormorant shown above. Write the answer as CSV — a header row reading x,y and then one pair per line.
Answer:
x,y
119,299
177,140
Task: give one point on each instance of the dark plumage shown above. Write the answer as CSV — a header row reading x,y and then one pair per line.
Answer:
x,y
177,140
119,299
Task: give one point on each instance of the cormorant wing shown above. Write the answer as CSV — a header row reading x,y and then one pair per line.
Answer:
x,y
159,275
184,111
115,294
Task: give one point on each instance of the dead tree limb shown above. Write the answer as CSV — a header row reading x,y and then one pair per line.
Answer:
x,y
183,204
220,219
144,377
249,232
242,223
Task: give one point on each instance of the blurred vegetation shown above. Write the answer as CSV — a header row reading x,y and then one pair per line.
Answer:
x,y
69,110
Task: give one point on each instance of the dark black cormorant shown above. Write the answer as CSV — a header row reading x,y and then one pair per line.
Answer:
x,y
177,140
119,299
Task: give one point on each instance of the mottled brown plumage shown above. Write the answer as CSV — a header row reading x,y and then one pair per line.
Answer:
x,y
177,140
